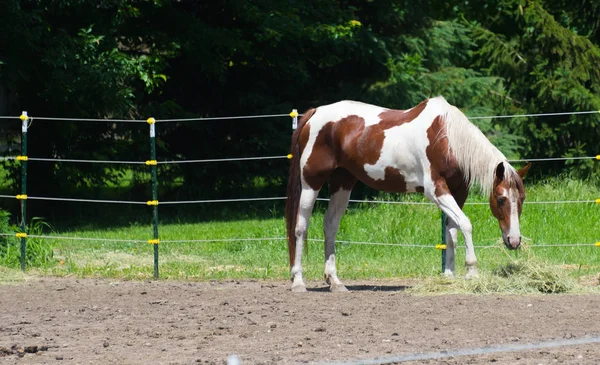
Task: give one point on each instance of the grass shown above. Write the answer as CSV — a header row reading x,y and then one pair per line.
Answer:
x,y
542,224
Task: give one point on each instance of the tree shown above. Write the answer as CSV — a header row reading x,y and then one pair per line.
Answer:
x,y
176,59
547,67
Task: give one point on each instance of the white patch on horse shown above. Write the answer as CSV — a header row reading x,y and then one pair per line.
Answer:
x,y
331,275
514,231
334,113
404,149
342,109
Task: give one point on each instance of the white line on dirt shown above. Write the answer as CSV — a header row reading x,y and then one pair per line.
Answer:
x,y
465,352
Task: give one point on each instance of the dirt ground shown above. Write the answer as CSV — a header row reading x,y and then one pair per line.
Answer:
x,y
76,321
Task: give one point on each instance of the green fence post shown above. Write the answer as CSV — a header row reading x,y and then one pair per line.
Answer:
x,y
23,196
443,242
154,201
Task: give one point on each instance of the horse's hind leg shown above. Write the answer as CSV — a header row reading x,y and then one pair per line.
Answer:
x,y
307,202
341,184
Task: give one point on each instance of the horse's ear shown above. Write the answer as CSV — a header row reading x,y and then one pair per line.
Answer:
x,y
522,172
500,172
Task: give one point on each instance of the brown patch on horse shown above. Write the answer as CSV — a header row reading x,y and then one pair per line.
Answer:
x,y
392,118
445,174
371,139
341,179
321,162
353,157
343,144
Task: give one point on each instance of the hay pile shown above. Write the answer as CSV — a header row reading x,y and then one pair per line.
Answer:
x,y
519,276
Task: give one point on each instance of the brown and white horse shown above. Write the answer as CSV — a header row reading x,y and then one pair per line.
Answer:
x,y
431,148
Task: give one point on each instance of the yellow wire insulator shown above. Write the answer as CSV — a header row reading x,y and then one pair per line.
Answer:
x,y
151,163
151,120
22,196
22,158
155,241
152,202
294,114
597,157
23,117
597,201
440,247
290,156
597,244
21,235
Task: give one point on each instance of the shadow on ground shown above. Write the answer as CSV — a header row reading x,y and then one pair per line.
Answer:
x,y
364,288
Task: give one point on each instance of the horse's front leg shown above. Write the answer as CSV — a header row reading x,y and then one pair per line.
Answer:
x,y
448,205
337,205
451,242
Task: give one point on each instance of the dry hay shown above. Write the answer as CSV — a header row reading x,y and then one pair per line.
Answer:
x,y
519,276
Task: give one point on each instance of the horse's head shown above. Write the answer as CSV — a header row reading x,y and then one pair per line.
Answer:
x,y
506,202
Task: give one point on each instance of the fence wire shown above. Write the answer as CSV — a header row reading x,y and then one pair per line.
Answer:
x,y
255,158
201,119
221,118
242,200
88,120
76,200
283,239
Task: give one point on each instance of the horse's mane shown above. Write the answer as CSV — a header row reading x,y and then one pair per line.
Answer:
x,y
475,155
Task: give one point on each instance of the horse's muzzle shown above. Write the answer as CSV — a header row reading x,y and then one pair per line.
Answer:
x,y
512,243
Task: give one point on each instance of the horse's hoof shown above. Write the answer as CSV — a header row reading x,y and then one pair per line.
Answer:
x,y
471,274
298,288
448,274
338,288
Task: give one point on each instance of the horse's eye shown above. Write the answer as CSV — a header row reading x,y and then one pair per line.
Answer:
x,y
501,200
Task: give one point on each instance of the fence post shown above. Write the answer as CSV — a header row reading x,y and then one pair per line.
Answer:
x,y
294,116
443,242
23,196
154,201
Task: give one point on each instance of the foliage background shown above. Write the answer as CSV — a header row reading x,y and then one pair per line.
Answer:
x,y
177,59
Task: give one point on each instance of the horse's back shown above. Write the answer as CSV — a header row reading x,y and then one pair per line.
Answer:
x,y
374,114
335,112
384,148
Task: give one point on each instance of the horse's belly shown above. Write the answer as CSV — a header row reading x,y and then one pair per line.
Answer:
x,y
392,180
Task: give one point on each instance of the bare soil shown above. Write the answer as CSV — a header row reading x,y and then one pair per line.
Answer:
x,y
93,321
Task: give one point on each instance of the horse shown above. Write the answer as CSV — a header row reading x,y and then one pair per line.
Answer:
x,y
431,149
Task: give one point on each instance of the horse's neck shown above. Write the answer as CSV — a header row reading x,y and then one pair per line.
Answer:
x,y
475,155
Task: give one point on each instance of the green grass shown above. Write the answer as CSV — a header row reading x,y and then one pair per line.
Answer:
x,y
542,224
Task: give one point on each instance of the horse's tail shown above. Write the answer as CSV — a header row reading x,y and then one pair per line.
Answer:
x,y
294,187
